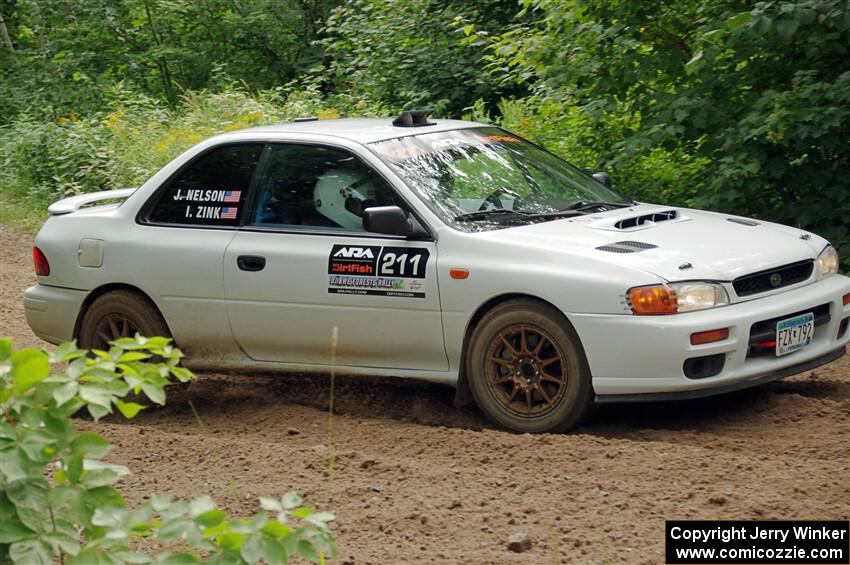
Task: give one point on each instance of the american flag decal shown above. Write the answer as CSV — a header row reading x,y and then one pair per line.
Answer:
x,y
228,213
232,195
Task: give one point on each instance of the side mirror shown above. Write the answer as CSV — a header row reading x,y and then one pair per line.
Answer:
x,y
602,178
390,220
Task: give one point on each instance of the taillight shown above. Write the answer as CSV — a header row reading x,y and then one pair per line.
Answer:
x,y
42,267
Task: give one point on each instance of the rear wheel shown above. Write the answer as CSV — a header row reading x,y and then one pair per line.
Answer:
x,y
527,370
120,314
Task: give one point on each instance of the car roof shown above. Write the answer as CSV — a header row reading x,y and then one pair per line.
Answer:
x,y
361,130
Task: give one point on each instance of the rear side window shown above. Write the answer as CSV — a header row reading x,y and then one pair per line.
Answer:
x,y
212,190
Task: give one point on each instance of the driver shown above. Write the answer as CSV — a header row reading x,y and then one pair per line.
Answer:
x,y
341,196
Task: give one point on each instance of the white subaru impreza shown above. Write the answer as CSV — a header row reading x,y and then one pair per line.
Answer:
x,y
443,250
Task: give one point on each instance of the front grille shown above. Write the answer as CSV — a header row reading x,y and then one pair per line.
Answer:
x,y
764,332
773,278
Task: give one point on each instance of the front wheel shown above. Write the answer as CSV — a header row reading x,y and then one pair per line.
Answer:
x,y
527,370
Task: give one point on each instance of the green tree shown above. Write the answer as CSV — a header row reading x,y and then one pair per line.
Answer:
x,y
411,54
761,92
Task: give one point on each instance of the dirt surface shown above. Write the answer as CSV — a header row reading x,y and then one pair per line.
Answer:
x,y
414,480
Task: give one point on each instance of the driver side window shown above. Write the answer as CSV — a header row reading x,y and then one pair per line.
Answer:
x,y
315,187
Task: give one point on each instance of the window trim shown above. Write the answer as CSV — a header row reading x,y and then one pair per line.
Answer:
x,y
143,215
261,169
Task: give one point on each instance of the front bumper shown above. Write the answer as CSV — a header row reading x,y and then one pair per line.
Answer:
x,y
644,355
52,311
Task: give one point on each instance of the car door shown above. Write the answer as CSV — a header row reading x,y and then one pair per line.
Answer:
x,y
302,269
175,252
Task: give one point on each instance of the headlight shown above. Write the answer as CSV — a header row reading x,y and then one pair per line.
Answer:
x,y
676,297
826,263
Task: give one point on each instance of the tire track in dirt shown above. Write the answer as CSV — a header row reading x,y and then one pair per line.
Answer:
x,y
414,480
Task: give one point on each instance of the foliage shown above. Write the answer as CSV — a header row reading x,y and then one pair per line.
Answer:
x,y
42,161
57,496
410,54
66,54
761,96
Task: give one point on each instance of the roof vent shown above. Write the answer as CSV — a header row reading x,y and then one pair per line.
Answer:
x,y
653,218
413,119
626,247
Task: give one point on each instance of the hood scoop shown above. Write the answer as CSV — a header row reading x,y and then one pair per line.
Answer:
x,y
653,218
626,247
640,221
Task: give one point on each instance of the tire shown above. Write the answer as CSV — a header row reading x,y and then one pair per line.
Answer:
x,y
119,314
527,370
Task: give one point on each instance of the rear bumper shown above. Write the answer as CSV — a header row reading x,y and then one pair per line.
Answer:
x,y
52,311
643,356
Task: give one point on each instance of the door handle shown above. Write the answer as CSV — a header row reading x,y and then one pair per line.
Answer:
x,y
251,262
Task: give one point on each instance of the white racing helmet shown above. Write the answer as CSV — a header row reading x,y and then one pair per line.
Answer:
x,y
339,196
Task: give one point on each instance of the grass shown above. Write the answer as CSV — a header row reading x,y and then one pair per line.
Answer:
x,y
21,214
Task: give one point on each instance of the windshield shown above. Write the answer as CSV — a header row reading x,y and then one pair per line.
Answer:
x,y
486,178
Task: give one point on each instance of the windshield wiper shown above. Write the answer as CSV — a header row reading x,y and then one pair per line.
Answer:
x,y
487,214
581,205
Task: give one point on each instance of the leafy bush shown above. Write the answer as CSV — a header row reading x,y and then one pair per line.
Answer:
x,y
57,496
43,161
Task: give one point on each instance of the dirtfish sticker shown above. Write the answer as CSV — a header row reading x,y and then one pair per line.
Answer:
x,y
375,270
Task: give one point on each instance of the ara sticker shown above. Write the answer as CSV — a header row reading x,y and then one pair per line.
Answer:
x,y
376,270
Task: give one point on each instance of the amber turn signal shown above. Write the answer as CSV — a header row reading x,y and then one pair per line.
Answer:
x,y
459,274
651,300
709,336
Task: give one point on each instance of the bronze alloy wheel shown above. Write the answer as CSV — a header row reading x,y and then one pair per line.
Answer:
x,y
525,370
112,327
119,314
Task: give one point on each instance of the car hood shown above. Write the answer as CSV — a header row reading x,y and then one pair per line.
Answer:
x,y
664,240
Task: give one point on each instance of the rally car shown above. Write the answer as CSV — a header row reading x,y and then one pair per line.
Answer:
x,y
442,250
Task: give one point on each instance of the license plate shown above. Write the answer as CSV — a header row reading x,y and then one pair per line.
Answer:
x,y
794,333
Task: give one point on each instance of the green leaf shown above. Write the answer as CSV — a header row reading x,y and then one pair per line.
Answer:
x,y
14,530
129,409
276,529
64,393
5,349
90,444
291,500
211,518
737,21
273,551
200,506
155,393
63,542
787,26
268,503
29,367
31,552
96,394
30,499
307,550
64,352
129,356
321,518
691,66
